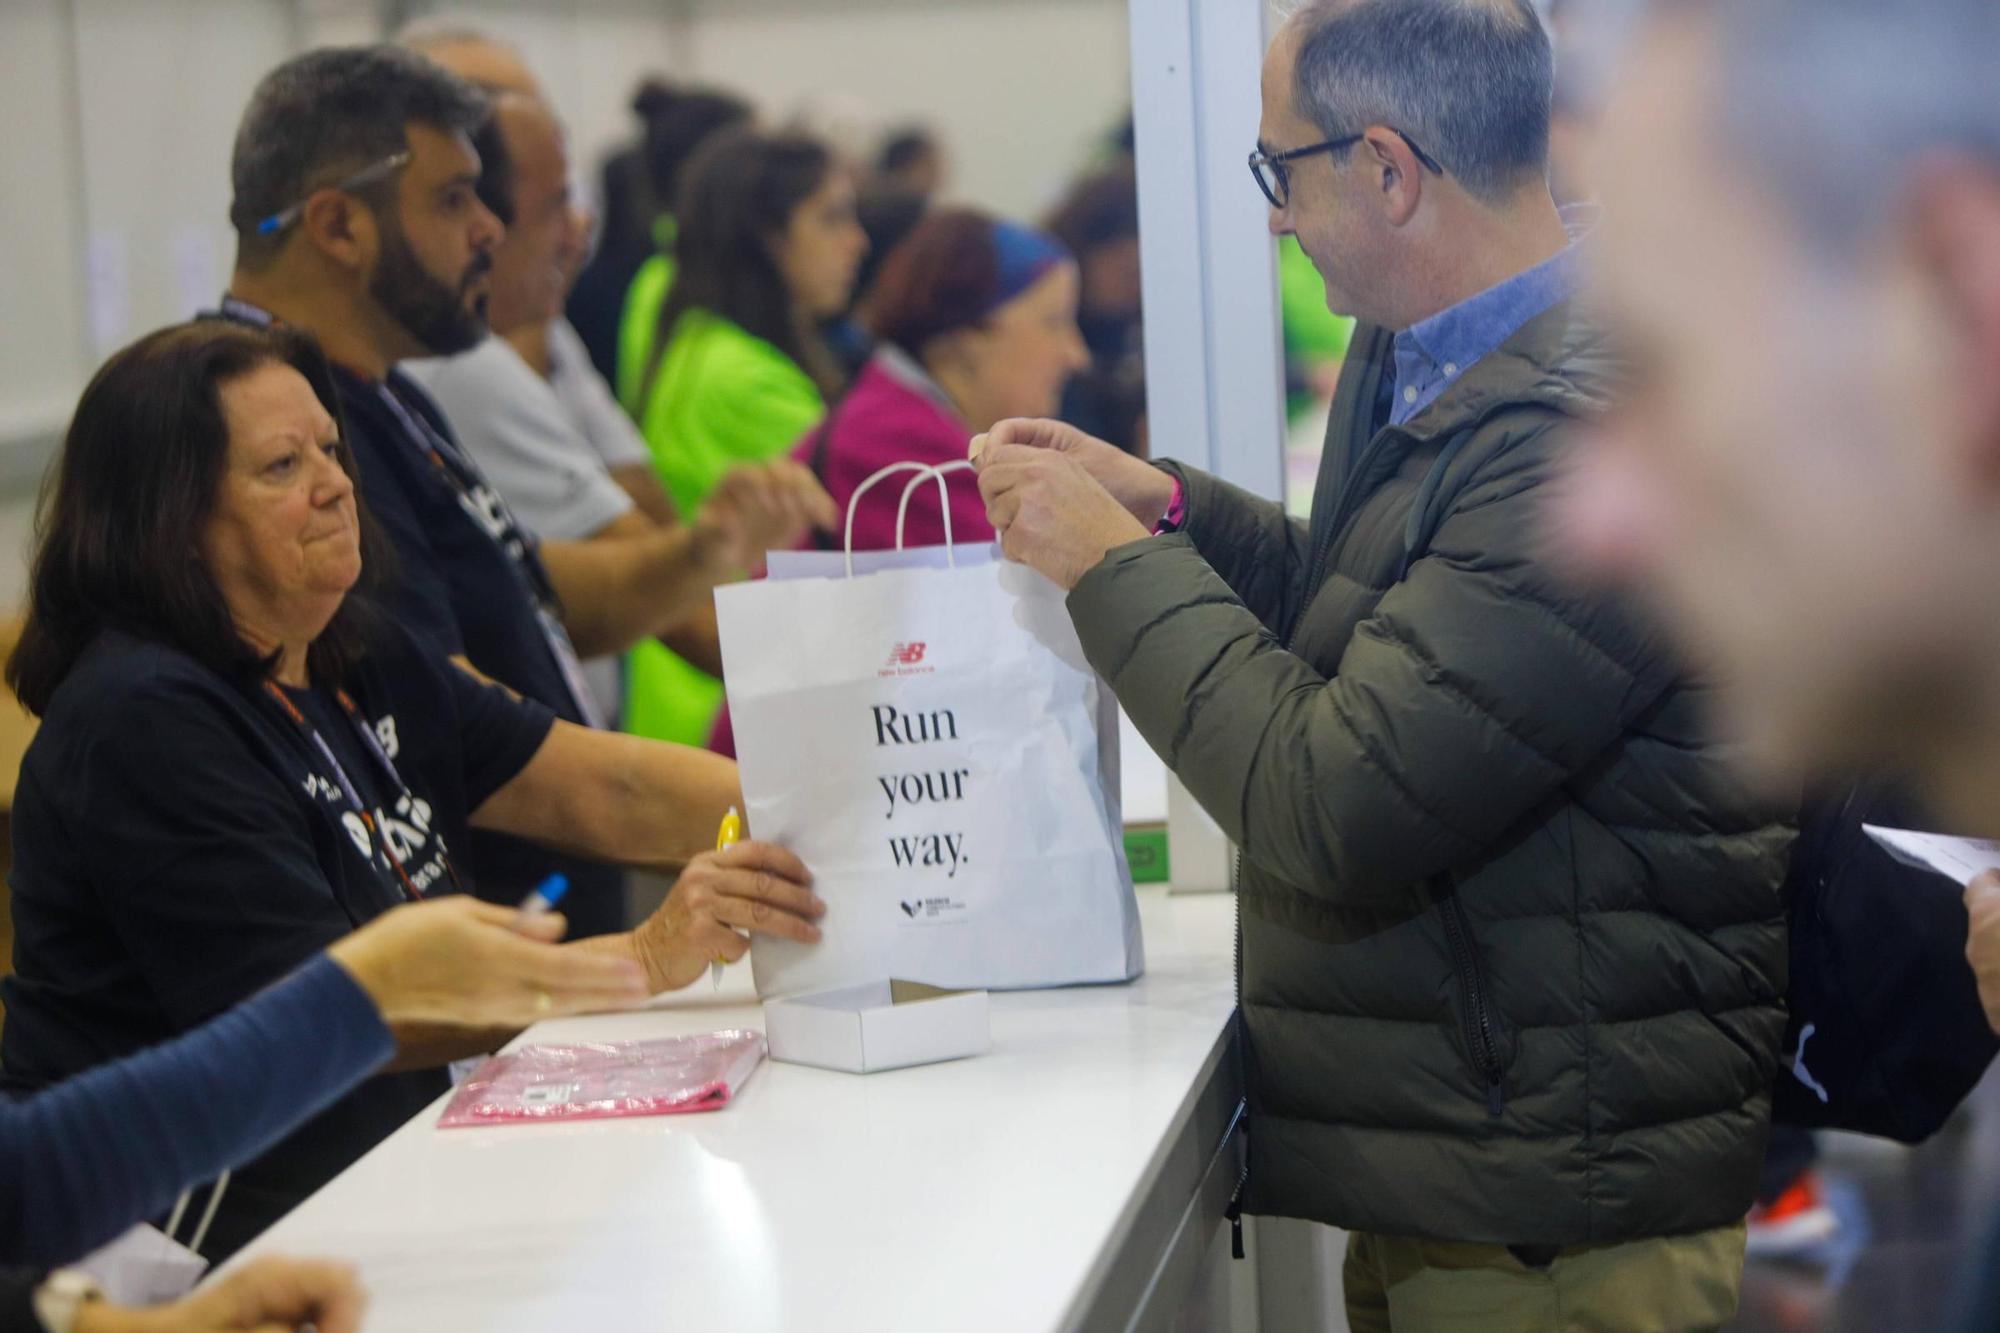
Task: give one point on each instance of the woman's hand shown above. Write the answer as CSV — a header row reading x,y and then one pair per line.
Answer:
x,y
758,508
752,887
464,963
269,1296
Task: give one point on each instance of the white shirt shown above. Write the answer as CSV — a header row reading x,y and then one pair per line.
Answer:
x,y
591,404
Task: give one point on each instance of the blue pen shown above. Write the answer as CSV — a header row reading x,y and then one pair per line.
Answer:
x,y
542,898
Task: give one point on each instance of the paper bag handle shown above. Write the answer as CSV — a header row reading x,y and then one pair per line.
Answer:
x,y
944,502
926,473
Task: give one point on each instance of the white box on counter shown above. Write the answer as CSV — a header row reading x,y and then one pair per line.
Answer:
x,y
877,1026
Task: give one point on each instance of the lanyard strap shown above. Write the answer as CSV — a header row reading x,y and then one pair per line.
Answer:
x,y
505,531
474,495
373,744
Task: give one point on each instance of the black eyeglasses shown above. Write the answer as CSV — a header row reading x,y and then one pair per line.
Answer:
x,y
1276,181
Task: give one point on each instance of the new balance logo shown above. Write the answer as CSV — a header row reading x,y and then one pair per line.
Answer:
x,y
906,654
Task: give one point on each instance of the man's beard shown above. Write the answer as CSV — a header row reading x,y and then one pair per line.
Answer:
x,y
436,315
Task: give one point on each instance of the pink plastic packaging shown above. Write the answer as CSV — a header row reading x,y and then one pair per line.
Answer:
x,y
606,1080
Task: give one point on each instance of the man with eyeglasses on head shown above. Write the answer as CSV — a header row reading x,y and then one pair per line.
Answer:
x,y
358,220
1512,943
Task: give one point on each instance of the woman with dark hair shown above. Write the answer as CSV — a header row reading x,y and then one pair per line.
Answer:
x,y
678,122
239,764
641,184
975,321
736,370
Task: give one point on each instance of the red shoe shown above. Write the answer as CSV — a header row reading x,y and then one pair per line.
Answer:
x,y
1796,1222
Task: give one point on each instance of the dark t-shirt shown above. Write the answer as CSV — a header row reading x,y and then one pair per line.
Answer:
x,y
457,586
179,845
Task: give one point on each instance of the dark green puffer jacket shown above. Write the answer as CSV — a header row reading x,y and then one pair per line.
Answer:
x,y
1513,952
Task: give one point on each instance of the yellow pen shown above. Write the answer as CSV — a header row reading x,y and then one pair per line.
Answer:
x,y
726,837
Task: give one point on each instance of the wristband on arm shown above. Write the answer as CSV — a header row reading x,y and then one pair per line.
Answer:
x,y
1176,512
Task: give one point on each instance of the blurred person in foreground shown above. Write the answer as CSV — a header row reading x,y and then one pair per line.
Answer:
x,y
1512,935
94,1154
1818,512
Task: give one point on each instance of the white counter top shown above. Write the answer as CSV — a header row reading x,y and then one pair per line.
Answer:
x,y
990,1193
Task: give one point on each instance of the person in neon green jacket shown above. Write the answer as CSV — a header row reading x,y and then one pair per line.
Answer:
x,y
730,368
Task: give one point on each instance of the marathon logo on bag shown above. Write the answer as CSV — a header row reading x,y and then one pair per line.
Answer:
x,y
931,909
906,659
921,789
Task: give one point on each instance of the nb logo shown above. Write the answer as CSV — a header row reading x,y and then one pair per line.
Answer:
x,y
906,654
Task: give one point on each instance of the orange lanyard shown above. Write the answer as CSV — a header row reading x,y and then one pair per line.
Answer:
x,y
373,744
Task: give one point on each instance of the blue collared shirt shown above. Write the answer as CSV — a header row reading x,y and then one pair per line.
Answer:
x,y
1432,355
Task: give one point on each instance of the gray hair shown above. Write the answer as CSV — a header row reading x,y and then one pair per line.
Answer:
x,y
327,114
1469,81
1820,93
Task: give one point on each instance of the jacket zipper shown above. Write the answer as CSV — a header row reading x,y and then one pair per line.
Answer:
x,y
1478,1018
1234,1212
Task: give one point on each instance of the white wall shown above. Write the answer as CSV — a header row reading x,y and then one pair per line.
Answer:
x,y
1020,90
42,347
588,55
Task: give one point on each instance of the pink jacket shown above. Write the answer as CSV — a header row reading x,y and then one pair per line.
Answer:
x,y
894,414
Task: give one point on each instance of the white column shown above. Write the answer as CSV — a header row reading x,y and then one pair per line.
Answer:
x,y
1214,370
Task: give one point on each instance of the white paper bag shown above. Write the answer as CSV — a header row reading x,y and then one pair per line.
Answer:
x,y
932,743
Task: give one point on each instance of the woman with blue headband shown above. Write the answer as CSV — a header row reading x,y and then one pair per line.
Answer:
x,y
975,321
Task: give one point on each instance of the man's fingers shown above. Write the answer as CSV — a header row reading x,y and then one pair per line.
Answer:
x,y
998,456
1985,888
1002,510
1031,432
1012,544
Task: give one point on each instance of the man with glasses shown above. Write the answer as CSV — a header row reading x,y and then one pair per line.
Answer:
x,y
1512,944
358,220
